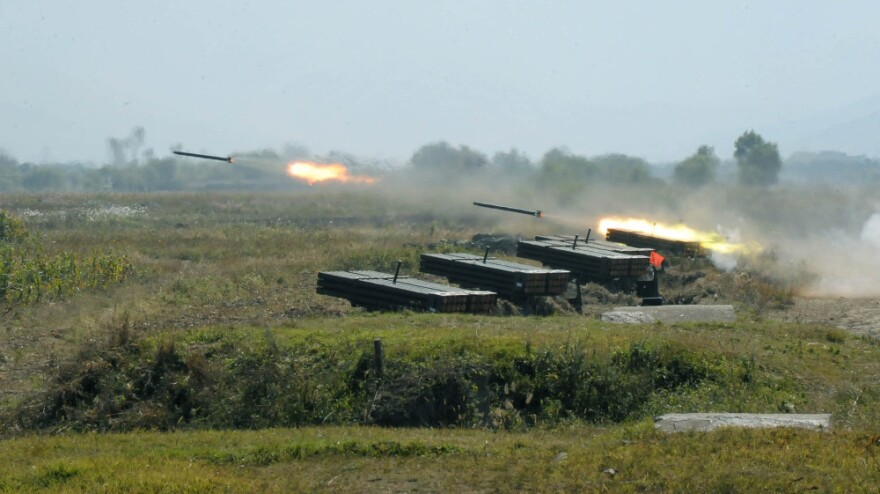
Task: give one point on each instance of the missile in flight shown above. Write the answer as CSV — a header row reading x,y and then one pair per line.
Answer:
x,y
227,159
536,212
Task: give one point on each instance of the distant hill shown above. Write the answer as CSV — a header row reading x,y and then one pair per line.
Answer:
x,y
857,135
852,129
830,167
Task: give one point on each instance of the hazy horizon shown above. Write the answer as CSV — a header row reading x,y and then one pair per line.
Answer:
x,y
650,80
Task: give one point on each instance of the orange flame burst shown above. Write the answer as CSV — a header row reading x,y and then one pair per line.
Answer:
x,y
313,173
713,241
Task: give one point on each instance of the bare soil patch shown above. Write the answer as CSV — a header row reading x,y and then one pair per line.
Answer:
x,y
860,316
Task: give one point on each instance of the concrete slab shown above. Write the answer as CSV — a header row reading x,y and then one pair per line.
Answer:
x,y
701,422
624,317
671,314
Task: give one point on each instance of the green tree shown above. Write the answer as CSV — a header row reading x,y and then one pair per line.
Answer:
x,y
512,161
7,162
616,168
442,157
512,165
560,166
10,173
43,178
698,169
758,160
160,174
566,174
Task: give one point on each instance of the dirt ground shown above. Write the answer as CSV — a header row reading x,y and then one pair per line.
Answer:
x,y
672,314
860,316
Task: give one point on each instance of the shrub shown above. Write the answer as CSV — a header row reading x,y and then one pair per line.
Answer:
x,y
229,383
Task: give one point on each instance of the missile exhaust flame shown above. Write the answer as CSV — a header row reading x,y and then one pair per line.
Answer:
x,y
313,173
712,241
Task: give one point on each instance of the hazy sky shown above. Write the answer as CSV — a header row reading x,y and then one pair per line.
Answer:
x,y
652,79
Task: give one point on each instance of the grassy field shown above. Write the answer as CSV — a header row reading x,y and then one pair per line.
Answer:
x,y
575,458
214,366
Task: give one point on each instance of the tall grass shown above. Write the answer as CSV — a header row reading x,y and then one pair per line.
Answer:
x,y
29,275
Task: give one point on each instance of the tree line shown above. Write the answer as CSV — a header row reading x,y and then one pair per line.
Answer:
x,y
756,163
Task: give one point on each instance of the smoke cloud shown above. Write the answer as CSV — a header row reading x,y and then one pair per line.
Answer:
x,y
847,265
724,262
871,230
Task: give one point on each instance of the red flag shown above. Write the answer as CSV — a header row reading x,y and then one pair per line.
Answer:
x,y
656,260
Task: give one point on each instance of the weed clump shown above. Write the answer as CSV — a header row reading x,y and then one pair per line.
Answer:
x,y
12,229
